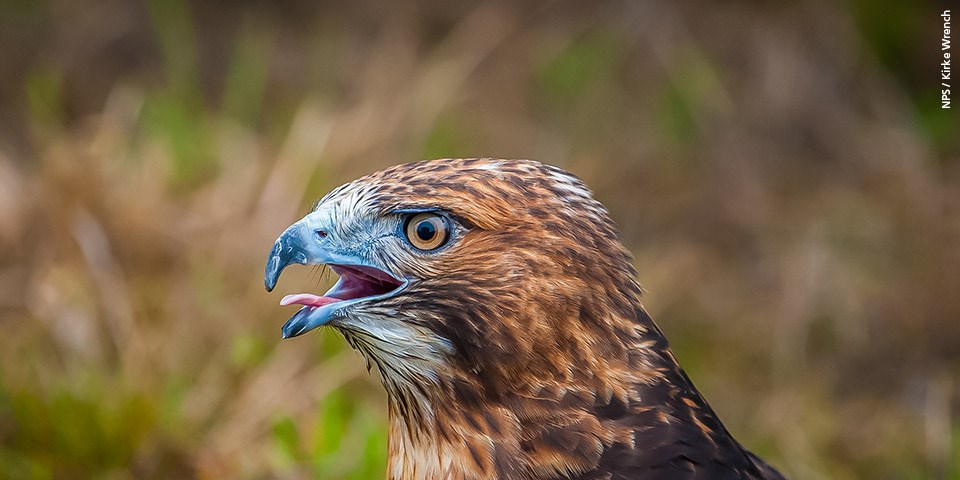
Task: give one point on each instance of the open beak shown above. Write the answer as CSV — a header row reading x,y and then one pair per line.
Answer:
x,y
359,281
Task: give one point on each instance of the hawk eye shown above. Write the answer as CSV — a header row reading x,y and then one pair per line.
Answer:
x,y
427,231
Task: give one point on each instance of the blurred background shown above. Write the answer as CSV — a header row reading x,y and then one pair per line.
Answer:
x,y
782,172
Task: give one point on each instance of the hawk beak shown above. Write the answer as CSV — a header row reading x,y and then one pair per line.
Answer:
x,y
359,280
289,248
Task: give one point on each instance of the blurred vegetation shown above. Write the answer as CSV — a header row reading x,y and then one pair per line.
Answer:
x,y
782,172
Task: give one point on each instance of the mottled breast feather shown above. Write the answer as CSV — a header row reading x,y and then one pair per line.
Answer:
x,y
554,371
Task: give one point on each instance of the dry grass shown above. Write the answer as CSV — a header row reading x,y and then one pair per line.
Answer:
x,y
794,216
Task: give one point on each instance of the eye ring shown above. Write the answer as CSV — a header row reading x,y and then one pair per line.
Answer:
x,y
427,231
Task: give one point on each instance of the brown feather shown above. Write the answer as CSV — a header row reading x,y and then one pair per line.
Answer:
x,y
555,369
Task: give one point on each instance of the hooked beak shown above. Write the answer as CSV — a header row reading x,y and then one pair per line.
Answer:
x,y
289,248
359,280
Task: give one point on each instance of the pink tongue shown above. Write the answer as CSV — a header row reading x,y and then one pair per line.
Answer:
x,y
307,299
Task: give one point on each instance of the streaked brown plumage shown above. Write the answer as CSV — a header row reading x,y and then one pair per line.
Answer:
x,y
520,348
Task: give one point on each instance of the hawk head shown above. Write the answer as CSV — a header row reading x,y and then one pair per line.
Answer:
x,y
501,311
487,267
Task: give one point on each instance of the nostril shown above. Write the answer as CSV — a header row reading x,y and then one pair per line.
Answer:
x,y
322,233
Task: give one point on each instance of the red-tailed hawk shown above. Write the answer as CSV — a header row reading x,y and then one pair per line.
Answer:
x,y
504,317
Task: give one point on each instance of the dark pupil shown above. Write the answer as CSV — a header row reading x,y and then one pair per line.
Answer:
x,y
426,231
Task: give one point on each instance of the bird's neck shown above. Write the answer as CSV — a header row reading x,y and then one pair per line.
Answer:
x,y
437,447
509,432
504,422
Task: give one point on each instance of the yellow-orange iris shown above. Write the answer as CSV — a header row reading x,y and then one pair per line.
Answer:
x,y
427,231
